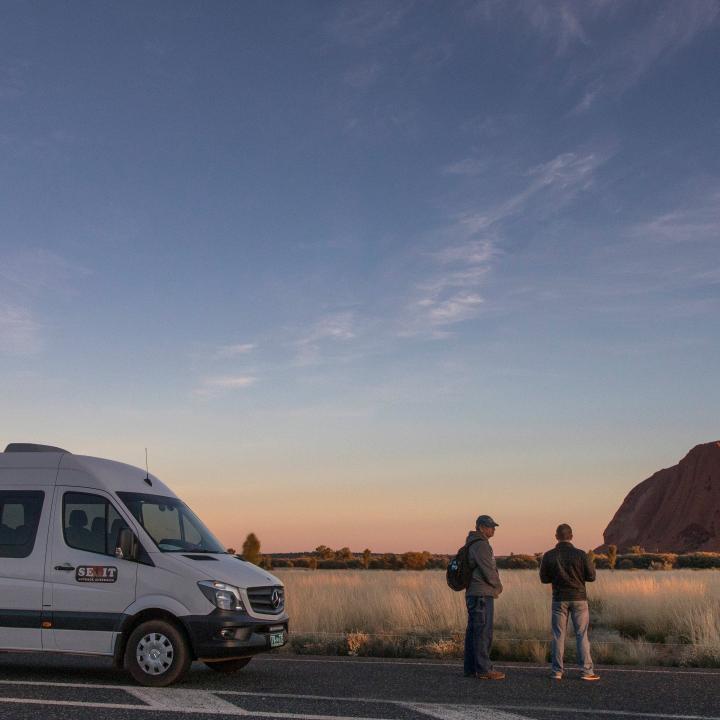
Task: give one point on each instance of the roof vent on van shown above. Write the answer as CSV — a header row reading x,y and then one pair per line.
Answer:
x,y
32,448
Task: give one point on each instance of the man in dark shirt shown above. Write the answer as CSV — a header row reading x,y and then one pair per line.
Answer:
x,y
568,569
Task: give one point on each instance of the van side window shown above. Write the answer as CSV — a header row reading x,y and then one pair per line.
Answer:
x,y
91,523
19,519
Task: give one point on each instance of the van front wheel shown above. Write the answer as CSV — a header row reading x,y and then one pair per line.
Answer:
x,y
157,654
229,666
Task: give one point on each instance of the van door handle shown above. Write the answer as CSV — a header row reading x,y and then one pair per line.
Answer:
x,y
67,567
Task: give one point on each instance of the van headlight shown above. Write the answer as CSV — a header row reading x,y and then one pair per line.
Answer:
x,y
226,597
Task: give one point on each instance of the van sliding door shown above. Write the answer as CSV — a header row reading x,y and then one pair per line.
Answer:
x,y
23,531
91,588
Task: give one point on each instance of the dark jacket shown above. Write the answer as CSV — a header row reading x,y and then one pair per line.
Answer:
x,y
568,569
485,578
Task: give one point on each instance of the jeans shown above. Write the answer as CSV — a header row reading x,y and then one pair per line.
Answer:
x,y
580,613
478,636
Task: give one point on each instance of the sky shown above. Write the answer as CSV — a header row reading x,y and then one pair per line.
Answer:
x,y
358,272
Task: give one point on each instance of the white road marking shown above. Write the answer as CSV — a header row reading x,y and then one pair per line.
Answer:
x,y
464,712
616,713
455,666
74,703
180,700
190,711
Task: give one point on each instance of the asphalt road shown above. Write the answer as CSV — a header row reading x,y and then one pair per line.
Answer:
x,y
65,688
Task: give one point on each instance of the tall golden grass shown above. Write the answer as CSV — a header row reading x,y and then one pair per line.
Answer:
x,y
667,617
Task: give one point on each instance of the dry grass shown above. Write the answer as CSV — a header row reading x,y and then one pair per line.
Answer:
x,y
638,617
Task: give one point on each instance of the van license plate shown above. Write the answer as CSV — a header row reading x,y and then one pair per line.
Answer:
x,y
277,639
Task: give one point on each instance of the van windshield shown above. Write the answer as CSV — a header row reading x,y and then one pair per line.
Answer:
x,y
170,523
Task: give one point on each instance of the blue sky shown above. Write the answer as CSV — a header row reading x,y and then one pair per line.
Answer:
x,y
357,272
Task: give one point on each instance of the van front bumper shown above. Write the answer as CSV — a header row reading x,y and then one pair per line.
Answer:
x,y
222,634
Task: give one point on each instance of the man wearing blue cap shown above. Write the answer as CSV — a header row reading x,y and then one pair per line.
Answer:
x,y
480,596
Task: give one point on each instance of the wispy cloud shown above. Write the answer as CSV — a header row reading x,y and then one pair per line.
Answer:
x,y
453,289
38,270
225,352
333,327
362,76
699,222
592,92
672,26
560,22
558,181
454,309
467,166
648,38
19,331
211,386
658,37
361,22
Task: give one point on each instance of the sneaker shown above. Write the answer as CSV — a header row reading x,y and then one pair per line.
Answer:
x,y
492,675
590,677
556,675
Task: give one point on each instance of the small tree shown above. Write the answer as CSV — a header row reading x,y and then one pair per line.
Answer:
x,y
313,563
591,556
612,556
251,549
415,560
366,558
636,550
343,554
231,551
324,552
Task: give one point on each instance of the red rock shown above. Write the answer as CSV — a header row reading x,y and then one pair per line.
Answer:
x,y
674,510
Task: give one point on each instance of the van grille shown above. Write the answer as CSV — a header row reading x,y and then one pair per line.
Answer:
x,y
261,600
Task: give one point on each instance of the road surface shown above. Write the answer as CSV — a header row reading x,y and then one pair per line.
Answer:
x,y
325,688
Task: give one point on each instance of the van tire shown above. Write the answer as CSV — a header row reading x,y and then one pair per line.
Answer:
x,y
161,643
229,666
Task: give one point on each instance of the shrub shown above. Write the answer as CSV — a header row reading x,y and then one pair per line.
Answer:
x,y
644,561
415,560
517,562
698,560
625,564
282,563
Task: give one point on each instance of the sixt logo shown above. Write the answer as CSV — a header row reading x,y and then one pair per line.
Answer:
x,y
96,573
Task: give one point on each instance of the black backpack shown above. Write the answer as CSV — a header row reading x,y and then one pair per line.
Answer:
x,y
459,571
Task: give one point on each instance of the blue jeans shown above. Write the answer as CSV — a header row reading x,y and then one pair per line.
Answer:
x,y
579,612
478,636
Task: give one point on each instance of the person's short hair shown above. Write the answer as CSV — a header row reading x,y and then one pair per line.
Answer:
x,y
564,532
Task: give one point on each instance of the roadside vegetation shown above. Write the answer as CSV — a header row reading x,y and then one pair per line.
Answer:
x,y
664,618
325,558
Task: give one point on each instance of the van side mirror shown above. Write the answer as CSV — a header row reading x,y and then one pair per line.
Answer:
x,y
127,545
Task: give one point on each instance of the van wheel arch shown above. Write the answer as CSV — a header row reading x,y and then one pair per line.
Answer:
x,y
132,621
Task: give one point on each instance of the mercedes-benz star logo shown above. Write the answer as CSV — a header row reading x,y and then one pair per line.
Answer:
x,y
275,599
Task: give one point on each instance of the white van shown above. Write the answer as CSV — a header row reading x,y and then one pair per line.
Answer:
x,y
98,557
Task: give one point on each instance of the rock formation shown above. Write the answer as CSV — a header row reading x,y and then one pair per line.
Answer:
x,y
674,510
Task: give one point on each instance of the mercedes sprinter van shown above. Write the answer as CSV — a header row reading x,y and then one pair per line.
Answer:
x,y
101,558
